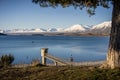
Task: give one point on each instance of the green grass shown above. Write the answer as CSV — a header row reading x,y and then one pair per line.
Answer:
x,y
59,73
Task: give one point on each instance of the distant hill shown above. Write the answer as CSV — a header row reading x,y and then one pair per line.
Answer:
x,y
2,34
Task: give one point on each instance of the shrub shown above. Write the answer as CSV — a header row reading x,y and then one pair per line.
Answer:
x,y
35,62
6,60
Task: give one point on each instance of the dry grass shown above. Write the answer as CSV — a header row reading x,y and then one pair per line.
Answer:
x,y
59,73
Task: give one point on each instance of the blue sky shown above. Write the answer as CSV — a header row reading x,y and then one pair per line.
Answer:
x,y
25,14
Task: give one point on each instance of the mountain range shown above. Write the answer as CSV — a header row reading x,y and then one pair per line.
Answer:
x,y
100,29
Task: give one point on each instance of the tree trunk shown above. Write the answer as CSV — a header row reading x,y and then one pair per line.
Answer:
x,y
113,56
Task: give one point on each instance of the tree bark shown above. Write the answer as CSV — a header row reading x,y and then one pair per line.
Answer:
x,y
113,56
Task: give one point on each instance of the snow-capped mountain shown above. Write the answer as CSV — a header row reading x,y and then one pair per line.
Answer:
x,y
103,28
75,28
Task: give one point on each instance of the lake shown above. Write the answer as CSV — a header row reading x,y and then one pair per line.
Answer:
x,y
27,48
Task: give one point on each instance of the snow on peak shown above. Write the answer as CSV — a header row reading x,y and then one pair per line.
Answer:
x,y
103,28
52,30
75,28
39,30
103,25
1,31
60,29
26,30
55,30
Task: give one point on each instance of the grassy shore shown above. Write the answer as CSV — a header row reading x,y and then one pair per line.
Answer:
x,y
59,73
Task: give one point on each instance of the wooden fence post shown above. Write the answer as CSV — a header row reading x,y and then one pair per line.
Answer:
x,y
44,51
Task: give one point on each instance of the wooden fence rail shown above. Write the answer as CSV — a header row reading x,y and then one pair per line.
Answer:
x,y
58,61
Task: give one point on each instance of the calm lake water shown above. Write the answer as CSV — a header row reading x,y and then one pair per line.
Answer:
x,y
26,48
